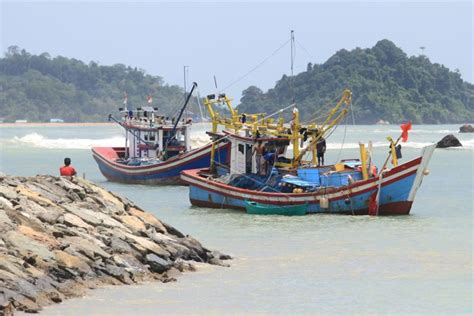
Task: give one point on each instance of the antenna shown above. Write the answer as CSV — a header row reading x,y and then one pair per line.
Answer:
x,y
422,50
125,101
292,50
215,81
292,45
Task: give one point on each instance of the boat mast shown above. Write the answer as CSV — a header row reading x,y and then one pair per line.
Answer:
x,y
185,71
125,105
173,131
295,124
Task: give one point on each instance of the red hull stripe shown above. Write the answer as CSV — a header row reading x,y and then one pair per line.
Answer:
x,y
104,155
393,208
190,177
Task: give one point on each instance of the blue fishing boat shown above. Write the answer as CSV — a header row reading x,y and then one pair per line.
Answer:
x,y
156,149
353,186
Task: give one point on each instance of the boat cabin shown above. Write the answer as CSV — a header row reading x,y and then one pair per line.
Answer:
x,y
152,136
242,156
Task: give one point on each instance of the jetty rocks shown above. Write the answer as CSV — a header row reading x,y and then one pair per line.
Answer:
x,y
61,236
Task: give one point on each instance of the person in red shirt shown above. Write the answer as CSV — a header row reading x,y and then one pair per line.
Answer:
x,y
67,169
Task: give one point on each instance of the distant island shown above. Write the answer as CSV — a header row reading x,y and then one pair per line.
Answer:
x,y
387,86
40,88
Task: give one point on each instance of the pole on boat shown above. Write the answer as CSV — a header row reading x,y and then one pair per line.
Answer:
x,y
185,73
215,121
111,118
374,199
185,70
363,158
403,137
295,131
173,131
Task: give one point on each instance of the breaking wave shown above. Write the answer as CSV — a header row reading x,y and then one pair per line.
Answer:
x,y
467,144
39,141
417,131
197,140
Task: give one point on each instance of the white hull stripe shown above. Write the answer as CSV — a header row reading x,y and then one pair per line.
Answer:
x,y
425,159
301,199
159,167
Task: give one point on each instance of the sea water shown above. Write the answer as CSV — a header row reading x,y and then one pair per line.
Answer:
x,y
318,264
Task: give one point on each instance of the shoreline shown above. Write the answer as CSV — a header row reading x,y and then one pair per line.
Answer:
x,y
48,124
72,124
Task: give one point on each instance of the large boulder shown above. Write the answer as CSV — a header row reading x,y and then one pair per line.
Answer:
x,y
449,141
466,128
157,264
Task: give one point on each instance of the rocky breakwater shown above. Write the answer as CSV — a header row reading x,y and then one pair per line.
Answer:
x,y
60,237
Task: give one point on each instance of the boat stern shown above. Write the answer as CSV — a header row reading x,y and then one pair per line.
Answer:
x,y
422,171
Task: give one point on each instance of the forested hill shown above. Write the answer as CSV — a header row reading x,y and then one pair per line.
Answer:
x,y
38,87
386,85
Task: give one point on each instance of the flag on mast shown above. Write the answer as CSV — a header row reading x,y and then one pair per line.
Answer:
x,y
405,128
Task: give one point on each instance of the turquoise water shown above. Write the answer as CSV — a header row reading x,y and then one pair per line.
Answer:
x,y
320,264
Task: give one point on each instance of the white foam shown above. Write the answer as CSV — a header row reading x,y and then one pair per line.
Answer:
x,y
199,140
415,131
467,144
39,141
377,144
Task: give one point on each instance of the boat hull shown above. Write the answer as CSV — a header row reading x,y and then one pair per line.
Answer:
x,y
262,209
167,172
397,192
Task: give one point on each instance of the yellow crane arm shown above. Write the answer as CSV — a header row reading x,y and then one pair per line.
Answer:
x,y
345,99
328,124
228,102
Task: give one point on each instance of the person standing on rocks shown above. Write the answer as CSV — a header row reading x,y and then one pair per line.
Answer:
x,y
67,170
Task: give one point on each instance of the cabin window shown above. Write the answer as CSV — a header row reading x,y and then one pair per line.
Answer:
x,y
241,148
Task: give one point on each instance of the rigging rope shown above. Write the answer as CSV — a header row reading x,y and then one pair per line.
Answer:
x,y
343,141
323,108
352,113
256,67
305,50
200,105
266,117
293,56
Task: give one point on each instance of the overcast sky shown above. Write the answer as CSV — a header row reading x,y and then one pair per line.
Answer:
x,y
229,39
